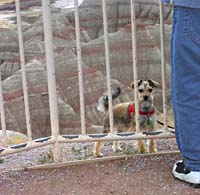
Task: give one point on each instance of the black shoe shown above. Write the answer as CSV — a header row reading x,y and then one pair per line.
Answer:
x,y
180,172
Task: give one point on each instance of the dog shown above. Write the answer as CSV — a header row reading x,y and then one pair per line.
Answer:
x,y
124,116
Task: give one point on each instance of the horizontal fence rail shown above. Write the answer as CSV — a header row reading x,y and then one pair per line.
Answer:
x,y
160,134
55,139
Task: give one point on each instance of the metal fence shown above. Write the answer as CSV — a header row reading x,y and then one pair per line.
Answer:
x,y
56,138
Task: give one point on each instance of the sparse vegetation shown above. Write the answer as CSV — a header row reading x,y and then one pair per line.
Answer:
x,y
128,150
46,157
1,161
76,151
85,151
80,153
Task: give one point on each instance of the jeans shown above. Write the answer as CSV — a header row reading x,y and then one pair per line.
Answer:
x,y
185,83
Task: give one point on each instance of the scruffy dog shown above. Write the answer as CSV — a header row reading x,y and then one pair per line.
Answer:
x,y
124,116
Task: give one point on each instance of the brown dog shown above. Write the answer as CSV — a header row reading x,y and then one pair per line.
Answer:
x,y
124,116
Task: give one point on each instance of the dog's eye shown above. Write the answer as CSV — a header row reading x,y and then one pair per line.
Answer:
x,y
105,98
150,90
140,90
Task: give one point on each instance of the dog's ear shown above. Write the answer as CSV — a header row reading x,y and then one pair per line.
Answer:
x,y
139,83
116,92
153,83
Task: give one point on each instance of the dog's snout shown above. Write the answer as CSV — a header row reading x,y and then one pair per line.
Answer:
x,y
146,98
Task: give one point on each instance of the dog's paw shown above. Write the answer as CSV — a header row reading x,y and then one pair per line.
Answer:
x,y
139,147
152,146
140,150
153,150
98,155
117,149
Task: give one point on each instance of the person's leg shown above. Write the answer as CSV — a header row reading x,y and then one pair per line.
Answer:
x,y
172,88
185,91
186,81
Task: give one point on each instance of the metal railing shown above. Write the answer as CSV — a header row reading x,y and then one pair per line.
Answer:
x,y
55,139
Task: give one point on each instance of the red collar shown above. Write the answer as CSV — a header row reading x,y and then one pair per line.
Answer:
x,y
131,109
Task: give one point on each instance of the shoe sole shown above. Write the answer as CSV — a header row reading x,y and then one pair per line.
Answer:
x,y
190,184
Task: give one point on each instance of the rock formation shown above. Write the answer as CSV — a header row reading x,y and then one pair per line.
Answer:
x,y
93,60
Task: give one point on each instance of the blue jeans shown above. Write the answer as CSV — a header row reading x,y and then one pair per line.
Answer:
x,y
185,83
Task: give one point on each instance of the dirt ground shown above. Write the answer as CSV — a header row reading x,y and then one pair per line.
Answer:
x,y
139,175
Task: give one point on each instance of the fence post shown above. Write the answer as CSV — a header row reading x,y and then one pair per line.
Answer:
x,y
135,64
163,64
108,72
51,77
23,69
3,118
80,69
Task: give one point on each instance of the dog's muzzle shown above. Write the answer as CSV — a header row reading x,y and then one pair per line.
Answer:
x,y
145,98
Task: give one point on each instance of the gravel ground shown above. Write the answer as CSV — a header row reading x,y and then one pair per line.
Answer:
x,y
139,175
145,175
75,151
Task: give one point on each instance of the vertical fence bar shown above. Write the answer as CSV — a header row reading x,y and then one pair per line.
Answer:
x,y
3,118
51,77
80,69
163,63
108,72
134,54
24,79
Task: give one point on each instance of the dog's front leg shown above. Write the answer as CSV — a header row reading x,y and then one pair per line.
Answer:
x,y
97,149
138,144
116,146
152,146
139,147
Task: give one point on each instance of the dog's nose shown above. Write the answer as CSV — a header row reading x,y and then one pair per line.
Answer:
x,y
146,98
